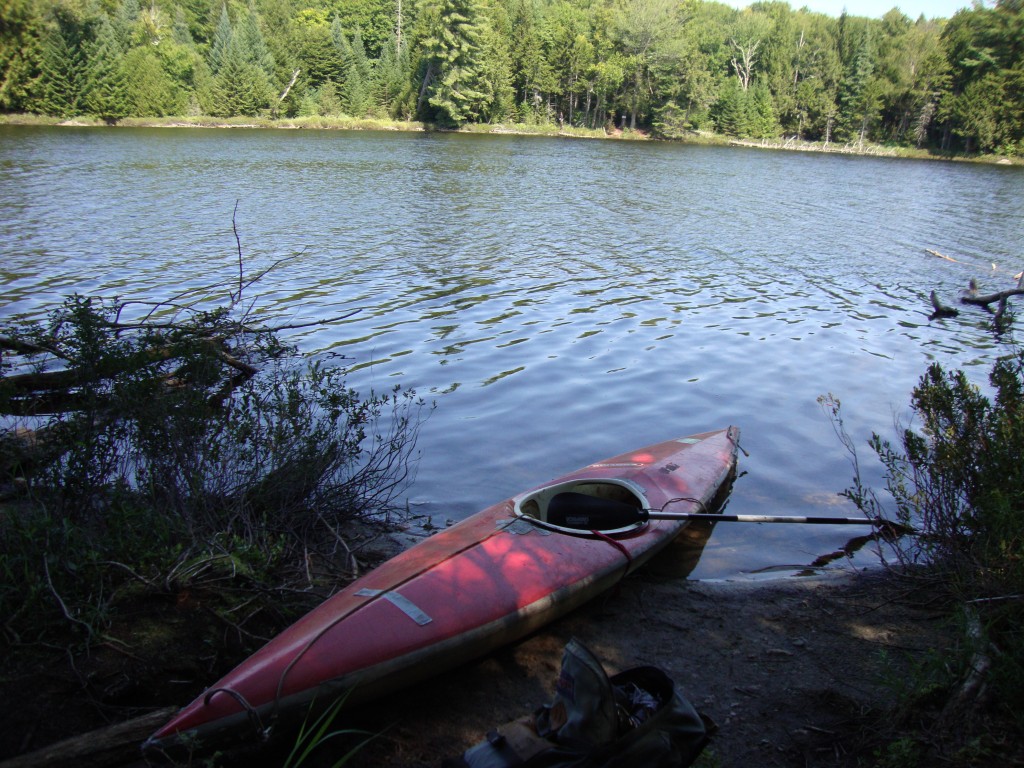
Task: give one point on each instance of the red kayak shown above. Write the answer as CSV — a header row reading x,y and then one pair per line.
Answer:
x,y
487,581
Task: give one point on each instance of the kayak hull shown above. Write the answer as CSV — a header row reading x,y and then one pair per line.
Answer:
x,y
481,584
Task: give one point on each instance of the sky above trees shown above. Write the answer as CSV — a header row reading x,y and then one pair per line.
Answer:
x,y
876,9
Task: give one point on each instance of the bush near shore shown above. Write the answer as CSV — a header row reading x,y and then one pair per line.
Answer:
x,y
956,476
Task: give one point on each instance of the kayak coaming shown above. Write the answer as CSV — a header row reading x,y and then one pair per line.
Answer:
x,y
407,619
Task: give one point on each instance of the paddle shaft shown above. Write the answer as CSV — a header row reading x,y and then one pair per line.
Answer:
x,y
583,512
763,518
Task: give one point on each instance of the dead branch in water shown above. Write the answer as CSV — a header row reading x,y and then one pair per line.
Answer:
x,y
991,298
52,374
971,296
941,310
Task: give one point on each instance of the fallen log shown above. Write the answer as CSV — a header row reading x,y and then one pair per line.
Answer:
x,y
115,745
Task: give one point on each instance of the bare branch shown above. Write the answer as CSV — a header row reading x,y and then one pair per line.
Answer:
x,y
992,298
26,347
238,242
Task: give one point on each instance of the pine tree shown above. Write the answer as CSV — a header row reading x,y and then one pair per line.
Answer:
x,y
240,87
255,46
859,96
124,23
154,93
221,43
357,89
392,75
180,31
328,101
62,67
730,112
105,87
453,89
763,124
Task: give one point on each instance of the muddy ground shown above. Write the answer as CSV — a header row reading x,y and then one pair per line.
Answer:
x,y
794,672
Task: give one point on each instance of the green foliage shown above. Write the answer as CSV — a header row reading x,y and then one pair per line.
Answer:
x,y
314,735
146,460
61,66
955,85
106,87
959,480
20,53
454,89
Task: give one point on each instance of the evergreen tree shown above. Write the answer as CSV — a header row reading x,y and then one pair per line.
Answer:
x,y
392,76
154,93
453,88
496,74
533,77
255,46
328,102
730,113
762,122
222,39
105,87
62,67
240,87
859,94
317,54
181,32
124,22
357,78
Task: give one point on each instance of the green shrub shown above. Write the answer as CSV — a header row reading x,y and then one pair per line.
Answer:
x,y
169,453
959,479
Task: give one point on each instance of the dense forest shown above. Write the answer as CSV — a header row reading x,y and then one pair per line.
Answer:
x,y
668,67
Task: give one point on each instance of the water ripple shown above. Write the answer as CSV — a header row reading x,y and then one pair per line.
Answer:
x,y
564,300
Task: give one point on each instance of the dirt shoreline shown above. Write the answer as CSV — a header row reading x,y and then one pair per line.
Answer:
x,y
790,670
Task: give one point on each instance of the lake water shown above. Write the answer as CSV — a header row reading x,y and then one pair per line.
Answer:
x,y
561,300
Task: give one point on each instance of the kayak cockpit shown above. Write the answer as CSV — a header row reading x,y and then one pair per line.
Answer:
x,y
535,505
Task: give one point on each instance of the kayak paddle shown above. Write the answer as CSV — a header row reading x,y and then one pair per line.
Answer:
x,y
590,513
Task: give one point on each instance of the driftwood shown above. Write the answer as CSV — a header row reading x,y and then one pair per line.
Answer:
x,y
941,310
941,255
971,296
991,298
115,745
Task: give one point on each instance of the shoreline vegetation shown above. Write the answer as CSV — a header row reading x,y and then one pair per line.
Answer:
x,y
179,488
655,68
345,123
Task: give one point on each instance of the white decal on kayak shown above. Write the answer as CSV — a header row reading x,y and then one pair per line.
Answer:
x,y
408,607
618,464
688,440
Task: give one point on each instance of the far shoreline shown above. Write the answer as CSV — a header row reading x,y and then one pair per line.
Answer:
x,y
701,138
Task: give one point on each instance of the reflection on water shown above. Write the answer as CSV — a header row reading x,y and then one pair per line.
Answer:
x,y
562,300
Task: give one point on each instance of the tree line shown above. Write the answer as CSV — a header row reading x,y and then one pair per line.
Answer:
x,y
669,67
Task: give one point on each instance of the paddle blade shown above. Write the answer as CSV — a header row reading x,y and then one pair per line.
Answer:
x,y
590,513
